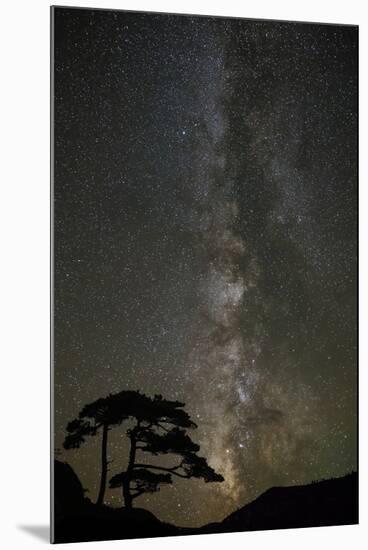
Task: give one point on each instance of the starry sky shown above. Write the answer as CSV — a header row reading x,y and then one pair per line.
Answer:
x,y
205,202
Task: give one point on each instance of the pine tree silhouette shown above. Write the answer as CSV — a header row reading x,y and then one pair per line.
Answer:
x,y
100,415
160,429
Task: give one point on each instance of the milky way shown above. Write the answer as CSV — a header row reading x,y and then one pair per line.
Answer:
x,y
205,242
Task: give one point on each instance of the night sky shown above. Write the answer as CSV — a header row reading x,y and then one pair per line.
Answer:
x,y
205,242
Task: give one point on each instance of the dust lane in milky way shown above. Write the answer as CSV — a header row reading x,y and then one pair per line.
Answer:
x,y
205,241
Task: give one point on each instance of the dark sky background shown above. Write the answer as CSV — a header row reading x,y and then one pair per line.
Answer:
x,y
205,242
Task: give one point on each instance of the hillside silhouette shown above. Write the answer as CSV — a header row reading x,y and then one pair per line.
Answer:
x,y
77,519
323,503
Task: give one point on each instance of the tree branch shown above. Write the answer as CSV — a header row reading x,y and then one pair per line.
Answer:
x,y
163,427
161,468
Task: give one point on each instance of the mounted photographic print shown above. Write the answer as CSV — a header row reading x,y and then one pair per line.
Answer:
x,y
204,212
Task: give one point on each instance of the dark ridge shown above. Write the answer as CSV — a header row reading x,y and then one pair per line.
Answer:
x,y
323,503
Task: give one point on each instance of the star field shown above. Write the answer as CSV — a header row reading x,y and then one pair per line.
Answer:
x,y
205,242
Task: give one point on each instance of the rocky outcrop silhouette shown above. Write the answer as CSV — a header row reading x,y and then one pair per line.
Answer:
x,y
69,494
77,519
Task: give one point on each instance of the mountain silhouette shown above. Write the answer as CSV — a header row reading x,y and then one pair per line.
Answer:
x,y
323,503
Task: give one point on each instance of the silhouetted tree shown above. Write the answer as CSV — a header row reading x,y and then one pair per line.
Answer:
x,y
159,429
101,415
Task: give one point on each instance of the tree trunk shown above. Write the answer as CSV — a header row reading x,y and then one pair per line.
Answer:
x,y
101,493
128,500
